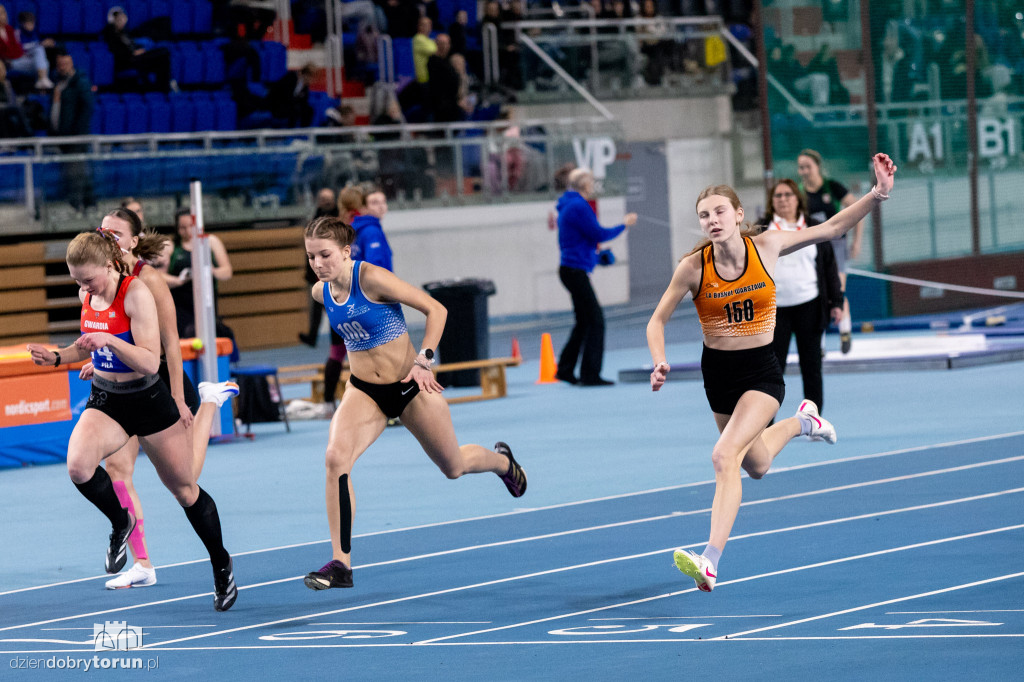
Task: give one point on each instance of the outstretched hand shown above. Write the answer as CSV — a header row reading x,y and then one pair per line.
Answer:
x,y
659,375
41,355
424,378
885,170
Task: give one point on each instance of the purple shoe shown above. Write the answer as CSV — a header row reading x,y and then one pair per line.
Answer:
x,y
515,478
334,574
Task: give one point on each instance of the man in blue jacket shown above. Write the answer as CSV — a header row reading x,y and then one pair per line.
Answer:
x,y
579,235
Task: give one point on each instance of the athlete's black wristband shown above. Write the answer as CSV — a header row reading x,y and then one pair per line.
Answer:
x,y
57,363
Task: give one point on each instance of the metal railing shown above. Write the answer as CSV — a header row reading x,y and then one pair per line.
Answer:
x,y
266,174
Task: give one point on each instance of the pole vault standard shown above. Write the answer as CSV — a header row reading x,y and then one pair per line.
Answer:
x,y
202,294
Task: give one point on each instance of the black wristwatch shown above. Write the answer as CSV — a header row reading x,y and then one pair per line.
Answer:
x,y
428,353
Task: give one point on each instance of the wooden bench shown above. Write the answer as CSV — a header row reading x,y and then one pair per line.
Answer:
x,y
492,377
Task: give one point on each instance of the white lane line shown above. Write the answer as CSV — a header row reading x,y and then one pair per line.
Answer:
x,y
912,613
552,642
727,582
865,607
776,470
617,559
462,549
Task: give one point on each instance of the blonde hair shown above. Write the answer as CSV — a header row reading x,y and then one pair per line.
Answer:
x,y
98,247
329,227
746,229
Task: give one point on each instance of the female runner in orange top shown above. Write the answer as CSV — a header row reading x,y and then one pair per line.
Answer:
x,y
729,276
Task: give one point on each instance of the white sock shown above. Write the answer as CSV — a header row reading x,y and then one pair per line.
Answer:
x,y
845,325
806,424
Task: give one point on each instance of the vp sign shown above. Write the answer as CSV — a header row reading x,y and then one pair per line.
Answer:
x,y
595,153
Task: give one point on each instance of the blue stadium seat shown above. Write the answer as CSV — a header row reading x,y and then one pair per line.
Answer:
x,y
114,115
136,114
182,17
159,112
471,11
202,18
188,58
94,16
102,64
183,114
227,114
70,16
321,102
206,113
273,60
446,10
80,56
137,11
159,8
213,62
98,116
404,65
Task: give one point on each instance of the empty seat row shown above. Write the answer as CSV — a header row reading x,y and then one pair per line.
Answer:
x,y
81,17
158,113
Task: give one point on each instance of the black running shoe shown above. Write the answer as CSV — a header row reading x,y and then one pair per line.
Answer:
x,y
515,478
117,552
224,591
845,342
334,574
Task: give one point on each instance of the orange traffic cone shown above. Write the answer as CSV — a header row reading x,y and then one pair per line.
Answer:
x,y
547,361
516,353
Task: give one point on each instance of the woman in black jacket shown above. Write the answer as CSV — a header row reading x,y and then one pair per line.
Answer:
x,y
808,293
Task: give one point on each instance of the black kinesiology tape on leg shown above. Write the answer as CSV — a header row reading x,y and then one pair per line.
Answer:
x,y
100,491
332,377
345,507
206,522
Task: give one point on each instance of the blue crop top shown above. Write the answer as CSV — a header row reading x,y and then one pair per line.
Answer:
x,y
363,323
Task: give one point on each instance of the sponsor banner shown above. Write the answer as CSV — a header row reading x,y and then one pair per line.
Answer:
x,y
35,399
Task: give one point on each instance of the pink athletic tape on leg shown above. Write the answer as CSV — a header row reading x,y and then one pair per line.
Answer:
x,y
338,352
136,538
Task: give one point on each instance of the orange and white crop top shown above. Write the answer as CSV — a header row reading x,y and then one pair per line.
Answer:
x,y
744,306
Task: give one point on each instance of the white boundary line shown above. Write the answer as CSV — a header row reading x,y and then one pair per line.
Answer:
x,y
565,533
898,600
776,470
738,580
597,563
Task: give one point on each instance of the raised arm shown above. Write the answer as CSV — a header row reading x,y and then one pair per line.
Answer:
x,y
839,224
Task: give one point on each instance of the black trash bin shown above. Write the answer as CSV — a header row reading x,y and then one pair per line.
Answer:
x,y
466,335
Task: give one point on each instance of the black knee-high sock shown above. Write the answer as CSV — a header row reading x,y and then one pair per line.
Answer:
x,y
332,375
345,507
100,491
206,522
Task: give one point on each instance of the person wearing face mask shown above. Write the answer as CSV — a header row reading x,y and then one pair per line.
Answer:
x,y
807,289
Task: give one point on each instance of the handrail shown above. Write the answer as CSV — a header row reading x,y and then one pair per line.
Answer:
x,y
749,56
146,144
564,75
385,59
492,69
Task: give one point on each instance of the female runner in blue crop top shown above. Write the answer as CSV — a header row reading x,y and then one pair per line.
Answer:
x,y
364,304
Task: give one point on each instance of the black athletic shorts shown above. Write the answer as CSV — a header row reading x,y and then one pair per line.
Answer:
x,y
728,374
191,395
390,398
142,407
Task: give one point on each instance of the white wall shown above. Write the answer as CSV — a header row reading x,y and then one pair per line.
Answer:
x,y
509,244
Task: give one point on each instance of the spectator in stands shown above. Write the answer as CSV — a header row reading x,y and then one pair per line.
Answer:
x,y
179,274
403,18
428,8
444,83
458,30
22,59
655,44
893,75
824,62
71,113
508,55
288,98
326,205
401,170
153,65
467,96
13,122
423,46
135,206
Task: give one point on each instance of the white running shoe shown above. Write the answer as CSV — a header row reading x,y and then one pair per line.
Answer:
x,y
136,576
821,428
698,567
217,393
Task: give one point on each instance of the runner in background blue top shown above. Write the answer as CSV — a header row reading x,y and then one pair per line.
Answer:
x,y
371,245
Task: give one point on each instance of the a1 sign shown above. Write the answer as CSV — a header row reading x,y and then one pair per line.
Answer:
x,y
997,137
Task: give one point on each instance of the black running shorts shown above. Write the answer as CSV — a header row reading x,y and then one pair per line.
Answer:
x,y
141,407
728,374
392,399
